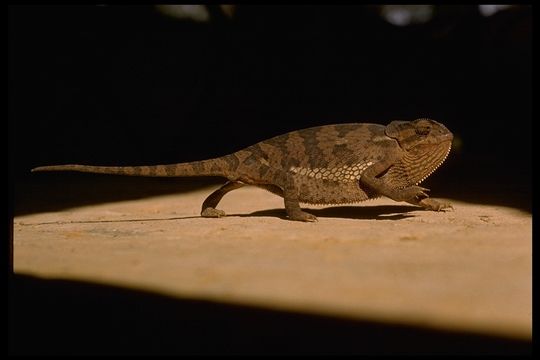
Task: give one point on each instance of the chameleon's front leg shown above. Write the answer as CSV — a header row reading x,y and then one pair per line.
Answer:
x,y
431,204
375,180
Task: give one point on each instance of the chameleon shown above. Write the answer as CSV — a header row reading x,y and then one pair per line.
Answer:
x,y
323,165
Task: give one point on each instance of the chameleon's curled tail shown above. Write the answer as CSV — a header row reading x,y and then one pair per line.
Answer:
x,y
213,167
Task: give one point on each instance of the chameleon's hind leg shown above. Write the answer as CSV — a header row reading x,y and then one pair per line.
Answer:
x,y
289,191
209,205
291,203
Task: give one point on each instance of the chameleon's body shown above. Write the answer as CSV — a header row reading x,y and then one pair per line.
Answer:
x,y
332,164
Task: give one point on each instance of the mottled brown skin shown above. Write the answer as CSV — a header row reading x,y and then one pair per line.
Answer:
x,y
331,164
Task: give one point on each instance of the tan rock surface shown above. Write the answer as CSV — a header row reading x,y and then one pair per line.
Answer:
x,y
468,269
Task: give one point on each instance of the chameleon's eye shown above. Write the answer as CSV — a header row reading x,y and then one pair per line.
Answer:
x,y
423,129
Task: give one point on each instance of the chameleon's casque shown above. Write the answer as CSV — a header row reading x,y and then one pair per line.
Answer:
x,y
331,164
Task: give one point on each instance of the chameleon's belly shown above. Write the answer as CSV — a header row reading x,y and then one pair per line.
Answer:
x,y
330,185
322,191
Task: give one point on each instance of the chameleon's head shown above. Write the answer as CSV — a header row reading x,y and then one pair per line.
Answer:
x,y
420,133
426,144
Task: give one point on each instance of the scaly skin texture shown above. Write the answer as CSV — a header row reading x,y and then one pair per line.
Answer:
x,y
331,164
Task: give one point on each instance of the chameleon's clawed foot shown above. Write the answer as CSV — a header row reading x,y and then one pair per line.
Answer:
x,y
416,191
412,193
434,205
302,216
211,212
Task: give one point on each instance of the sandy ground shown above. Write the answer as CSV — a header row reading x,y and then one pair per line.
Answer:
x,y
468,269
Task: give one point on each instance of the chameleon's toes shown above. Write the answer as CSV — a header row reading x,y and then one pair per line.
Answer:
x,y
212,213
412,192
434,205
421,192
302,216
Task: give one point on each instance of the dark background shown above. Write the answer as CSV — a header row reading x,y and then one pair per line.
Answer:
x,y
127,85
119,85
